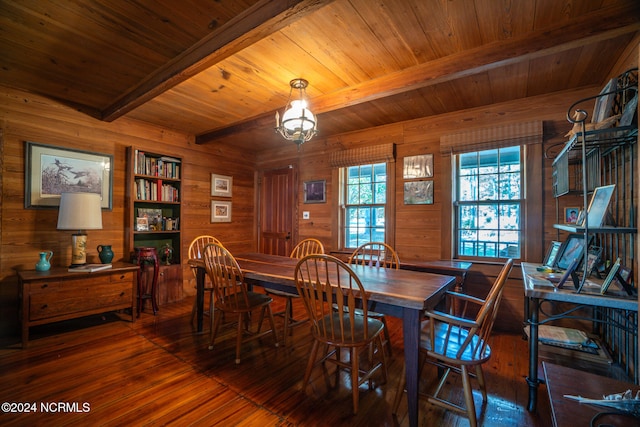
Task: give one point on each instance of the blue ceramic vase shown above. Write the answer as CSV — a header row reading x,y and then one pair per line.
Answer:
x,y
44,263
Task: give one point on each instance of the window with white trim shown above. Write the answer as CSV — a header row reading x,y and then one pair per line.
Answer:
x,y
364,202
489,203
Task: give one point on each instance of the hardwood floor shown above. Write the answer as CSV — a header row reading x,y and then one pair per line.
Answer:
x,y
157,371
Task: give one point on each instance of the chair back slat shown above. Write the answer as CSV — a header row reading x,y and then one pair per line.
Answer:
x,y
323,280
470,342
375,254
229,287
306,247
196,248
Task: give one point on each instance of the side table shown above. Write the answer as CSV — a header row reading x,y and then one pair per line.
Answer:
x,y
147,256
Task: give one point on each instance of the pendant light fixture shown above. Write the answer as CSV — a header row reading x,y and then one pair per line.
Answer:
x,y
298,122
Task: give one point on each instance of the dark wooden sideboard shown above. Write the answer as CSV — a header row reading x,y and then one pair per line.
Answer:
x,y
58,294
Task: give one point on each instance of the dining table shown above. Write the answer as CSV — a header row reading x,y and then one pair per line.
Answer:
x,y
400,293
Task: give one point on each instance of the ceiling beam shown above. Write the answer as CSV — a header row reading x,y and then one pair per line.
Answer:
x,y
603,25
262,19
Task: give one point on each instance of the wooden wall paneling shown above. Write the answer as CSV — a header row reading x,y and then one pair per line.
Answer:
x,y
25,232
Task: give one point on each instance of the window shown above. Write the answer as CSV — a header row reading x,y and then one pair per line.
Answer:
x,y
365,198
489,203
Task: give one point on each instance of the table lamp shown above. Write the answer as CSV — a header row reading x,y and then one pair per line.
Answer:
x,y
79,211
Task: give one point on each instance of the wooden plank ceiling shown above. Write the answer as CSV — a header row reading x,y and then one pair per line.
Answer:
x,y
220,69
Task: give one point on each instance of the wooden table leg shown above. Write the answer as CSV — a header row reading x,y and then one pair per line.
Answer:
x,y
411,332
532,379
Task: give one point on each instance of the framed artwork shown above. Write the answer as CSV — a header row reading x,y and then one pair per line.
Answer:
x,y
598,205
612,275
604,103
418,166
572,248
570,272
221,185
142,224
153,216
552,253
571,215
593,259
51,171
220,211
418,193
315,191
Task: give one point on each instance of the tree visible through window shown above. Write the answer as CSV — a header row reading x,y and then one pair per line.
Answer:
x,y
489,199
365,193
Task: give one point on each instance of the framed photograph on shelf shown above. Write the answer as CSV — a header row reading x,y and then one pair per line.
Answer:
x,y
604,102
221,185
571,215
572,248
142,224
51,171
552,254
418,193
315,191
418,166
612,275
570,272
220,211
593,259
598,206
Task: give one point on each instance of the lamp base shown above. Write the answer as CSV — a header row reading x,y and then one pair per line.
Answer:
x,y
78,249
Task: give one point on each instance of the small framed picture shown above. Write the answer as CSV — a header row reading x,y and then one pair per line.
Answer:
x,y
599,205
572,248
418,193
593,259
552,254
315,191
612,275
220,211
571,215
221,185
142,223
418,166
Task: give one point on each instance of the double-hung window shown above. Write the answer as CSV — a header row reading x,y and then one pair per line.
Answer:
x,y
364,204
489,203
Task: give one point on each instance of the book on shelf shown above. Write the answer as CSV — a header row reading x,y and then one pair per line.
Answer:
x,y
90,268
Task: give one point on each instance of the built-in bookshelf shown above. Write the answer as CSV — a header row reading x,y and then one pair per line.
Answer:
x,y
154,200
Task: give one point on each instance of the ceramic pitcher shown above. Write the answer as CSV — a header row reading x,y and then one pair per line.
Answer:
x,y
44,263
105,253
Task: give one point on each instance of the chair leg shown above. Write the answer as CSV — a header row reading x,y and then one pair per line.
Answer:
x,y
310,363
400,390
241,320
288,313
387,336
355,370
481,382
213,329
272,322
468,397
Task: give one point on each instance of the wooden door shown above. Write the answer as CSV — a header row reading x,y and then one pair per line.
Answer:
x,y
277,210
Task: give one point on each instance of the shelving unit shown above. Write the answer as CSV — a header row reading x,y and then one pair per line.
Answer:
x,y
595,158
154,192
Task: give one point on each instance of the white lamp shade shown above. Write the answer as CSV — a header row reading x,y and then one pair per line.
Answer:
x,y
80,211
298,117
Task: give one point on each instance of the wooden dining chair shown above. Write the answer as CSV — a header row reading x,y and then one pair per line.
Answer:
x,y
302,249
196,248
380,255
322,280
459,344
232,297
